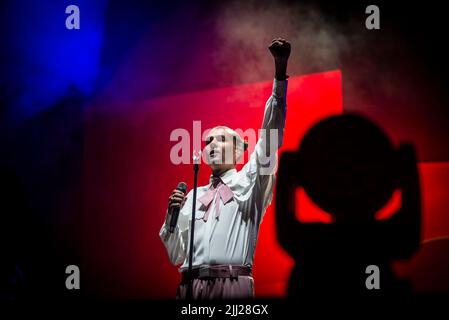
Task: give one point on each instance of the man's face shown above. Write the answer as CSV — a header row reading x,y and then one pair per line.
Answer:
x,y
220,150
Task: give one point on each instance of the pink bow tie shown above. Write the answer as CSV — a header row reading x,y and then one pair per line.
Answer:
x,y
224,192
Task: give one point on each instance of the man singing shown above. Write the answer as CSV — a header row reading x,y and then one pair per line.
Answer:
x,y
230,208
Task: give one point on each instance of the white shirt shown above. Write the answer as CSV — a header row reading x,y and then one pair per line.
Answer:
x,y
231,238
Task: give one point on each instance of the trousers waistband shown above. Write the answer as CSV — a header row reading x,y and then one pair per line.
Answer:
x,y
217,271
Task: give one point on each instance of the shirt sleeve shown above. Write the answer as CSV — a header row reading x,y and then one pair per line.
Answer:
x,y
262,165
176,243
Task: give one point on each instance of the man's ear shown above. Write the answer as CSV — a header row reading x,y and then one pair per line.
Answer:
x,y
238,154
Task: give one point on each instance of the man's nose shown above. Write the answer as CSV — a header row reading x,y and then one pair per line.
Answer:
x,y
213,144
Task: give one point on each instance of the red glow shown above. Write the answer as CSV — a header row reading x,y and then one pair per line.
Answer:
x,y
129,175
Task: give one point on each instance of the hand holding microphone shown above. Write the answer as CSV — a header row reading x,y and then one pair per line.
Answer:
x,y
175,202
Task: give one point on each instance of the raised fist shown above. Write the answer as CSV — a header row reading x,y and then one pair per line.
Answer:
x,y
280,49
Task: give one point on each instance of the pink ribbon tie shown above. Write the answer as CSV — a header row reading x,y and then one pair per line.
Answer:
x,y
224,193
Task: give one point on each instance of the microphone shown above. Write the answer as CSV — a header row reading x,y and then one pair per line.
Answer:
x,y
174,212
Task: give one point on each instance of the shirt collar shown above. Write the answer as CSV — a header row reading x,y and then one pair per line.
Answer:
x,y
226,177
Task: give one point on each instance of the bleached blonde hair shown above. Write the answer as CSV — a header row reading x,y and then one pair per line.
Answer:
x,y
238,141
